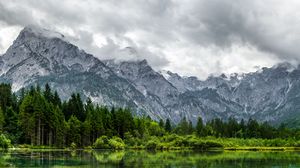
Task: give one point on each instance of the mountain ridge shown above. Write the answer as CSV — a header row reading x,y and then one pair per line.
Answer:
x,y
41,56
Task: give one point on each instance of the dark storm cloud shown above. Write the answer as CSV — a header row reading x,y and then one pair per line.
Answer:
x,y
210,35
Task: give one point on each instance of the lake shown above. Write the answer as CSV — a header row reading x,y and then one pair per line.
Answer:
x,y
80,158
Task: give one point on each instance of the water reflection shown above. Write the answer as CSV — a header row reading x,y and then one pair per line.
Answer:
x,y
80,158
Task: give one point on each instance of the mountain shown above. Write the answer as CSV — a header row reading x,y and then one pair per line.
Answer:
x,y
270,94
40,56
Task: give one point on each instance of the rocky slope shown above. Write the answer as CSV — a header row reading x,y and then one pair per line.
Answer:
x,y
271,94
41,56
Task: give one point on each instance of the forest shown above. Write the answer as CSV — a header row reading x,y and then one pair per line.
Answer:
x,y
37,117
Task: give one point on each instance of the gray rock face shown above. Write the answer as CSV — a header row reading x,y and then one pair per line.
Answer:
x,y
41,56
270,94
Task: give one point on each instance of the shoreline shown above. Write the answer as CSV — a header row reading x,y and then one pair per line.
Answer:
x,y
170,149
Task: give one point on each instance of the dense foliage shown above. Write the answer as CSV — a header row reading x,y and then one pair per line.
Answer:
x,y
38,117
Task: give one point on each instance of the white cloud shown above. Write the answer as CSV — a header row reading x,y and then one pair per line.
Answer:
x,y
7,35
191,37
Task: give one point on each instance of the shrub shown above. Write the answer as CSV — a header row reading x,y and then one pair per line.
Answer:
x,y
4,142
151,144
116,143
204,144
130,140
105,143
171,137
101,143
73,145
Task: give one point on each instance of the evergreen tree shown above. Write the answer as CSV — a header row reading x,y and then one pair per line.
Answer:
x,y
183,127
94,116
74,133
161,123
5,96
74,107
11,124
56,99
124,122
232,127
200,128
26,118
168,126
252,129
59,128
2,120
48,93
140,127
40,118
190,127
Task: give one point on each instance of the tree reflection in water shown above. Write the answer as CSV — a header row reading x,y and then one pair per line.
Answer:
x,y
104,158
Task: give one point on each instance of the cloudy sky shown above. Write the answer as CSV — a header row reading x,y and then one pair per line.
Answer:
x,y
191,37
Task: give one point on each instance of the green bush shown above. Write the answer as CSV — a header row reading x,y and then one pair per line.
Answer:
x,y
131,140
151,144
170,138
101,143
73,145
4,142
116,143
105,143
196,143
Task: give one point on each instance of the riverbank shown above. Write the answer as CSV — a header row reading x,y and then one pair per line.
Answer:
x,y
261,149
189,142
170,149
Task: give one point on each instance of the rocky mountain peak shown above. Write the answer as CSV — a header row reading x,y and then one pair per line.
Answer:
x,y
42,56
40,52
36,31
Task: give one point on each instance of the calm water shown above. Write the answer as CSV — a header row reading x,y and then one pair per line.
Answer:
x,y
148,159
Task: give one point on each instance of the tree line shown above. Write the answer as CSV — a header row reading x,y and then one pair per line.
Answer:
x,y
38,116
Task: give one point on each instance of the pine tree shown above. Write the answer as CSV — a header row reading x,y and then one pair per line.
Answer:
x,y
56,99
48,93
253,129
74,133
74,107
200,129
168,126
140,127
232,127
190,127
161,123
5,96
41,113
124,122
11,124
59,128
2,120
26,119
183,127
